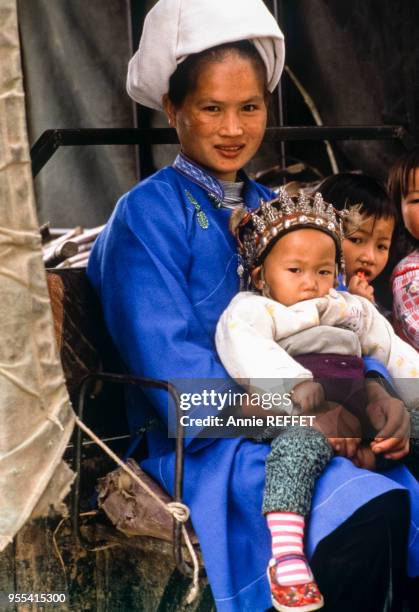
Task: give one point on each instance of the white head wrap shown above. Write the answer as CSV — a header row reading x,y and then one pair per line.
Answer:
x,y
174,29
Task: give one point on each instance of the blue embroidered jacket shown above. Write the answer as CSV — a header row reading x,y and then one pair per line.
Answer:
x,y
165,267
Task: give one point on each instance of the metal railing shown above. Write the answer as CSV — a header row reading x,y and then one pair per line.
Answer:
x,y
51,140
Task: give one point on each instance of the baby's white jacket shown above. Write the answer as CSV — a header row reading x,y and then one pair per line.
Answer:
x,y
254,331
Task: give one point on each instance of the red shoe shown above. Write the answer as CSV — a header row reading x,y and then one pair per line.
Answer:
x,y
293,598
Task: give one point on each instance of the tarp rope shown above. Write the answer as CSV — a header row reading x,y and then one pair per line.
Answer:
x,y
180,512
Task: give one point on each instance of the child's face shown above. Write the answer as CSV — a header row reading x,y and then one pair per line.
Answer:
x,y
410,205
222,122
367,249
301,266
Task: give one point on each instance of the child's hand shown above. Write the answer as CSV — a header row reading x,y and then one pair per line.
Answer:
x,y
390,417
358,285
308,395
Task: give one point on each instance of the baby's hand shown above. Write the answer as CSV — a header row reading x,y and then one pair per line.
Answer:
x,y
308,395
358,285
340,309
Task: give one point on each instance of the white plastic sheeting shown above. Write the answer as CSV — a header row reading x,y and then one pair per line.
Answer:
x,y
36,418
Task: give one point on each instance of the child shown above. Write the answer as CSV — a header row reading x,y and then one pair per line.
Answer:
x,y
366,250
292,249
403,186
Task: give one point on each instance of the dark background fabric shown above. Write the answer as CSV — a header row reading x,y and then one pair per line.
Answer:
x,y
75,55
358,61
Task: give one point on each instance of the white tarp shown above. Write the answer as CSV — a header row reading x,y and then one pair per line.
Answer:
x,y
36,418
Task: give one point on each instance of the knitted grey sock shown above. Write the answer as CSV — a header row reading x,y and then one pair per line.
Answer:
x,y
297,458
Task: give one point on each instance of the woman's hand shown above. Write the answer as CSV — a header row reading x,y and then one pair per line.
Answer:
x,y
308,395
336,421
390,417
358,285
345,447
365,458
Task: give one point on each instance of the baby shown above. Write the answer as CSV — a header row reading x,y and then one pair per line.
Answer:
x,y
297,334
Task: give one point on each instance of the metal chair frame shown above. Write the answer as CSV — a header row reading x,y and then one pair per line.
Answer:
x,y
179,448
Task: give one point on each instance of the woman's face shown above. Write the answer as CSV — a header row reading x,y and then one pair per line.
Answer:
x,y
410,205
367,249
222,122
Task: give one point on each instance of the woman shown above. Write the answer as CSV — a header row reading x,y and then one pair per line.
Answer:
x,y
166,266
